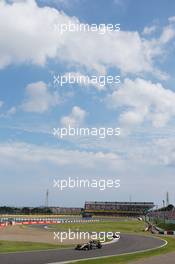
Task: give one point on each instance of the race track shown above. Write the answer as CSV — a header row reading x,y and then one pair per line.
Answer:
x,y
126,244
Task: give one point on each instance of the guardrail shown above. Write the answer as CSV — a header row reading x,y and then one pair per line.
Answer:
x,y
44,222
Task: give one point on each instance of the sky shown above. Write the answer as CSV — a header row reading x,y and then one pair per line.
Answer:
x,y
32,53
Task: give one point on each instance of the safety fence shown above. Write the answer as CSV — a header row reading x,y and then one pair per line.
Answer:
x,y
43,222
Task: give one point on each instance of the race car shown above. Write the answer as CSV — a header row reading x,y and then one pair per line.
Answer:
x,y
95,244
85,246
92,244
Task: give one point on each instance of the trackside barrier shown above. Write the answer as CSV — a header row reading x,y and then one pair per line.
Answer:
x,y
169,232
164,232
3,225
41,222
56,222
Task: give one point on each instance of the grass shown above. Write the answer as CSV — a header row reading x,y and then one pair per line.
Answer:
x,y
14,246
128,226
123,259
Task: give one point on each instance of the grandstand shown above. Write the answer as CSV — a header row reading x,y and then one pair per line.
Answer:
x,y
90,209
66,210
117,208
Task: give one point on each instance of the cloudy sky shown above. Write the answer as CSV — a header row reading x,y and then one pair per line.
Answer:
x,y
143,105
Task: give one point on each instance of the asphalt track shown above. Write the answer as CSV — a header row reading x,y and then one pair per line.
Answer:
x,y
126,244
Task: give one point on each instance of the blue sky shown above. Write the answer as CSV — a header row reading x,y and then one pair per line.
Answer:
x,y
143,105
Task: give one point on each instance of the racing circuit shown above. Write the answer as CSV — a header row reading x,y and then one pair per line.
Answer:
x,y
126,244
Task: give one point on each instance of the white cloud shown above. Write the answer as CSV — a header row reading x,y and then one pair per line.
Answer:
x,y
76,117
7,113
171,19
149,30
1,103
38,98
132,118
25,153
30,169
86,80
168,34
11,111
165,151
31,38
143,101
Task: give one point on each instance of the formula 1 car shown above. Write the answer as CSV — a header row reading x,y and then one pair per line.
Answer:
x,y
95,244
92,244
85,246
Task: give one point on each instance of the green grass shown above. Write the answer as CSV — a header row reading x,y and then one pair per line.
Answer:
x,y
133,257
128,226
166,226
14,246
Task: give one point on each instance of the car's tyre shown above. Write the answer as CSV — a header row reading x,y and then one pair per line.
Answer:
x,y
86,248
